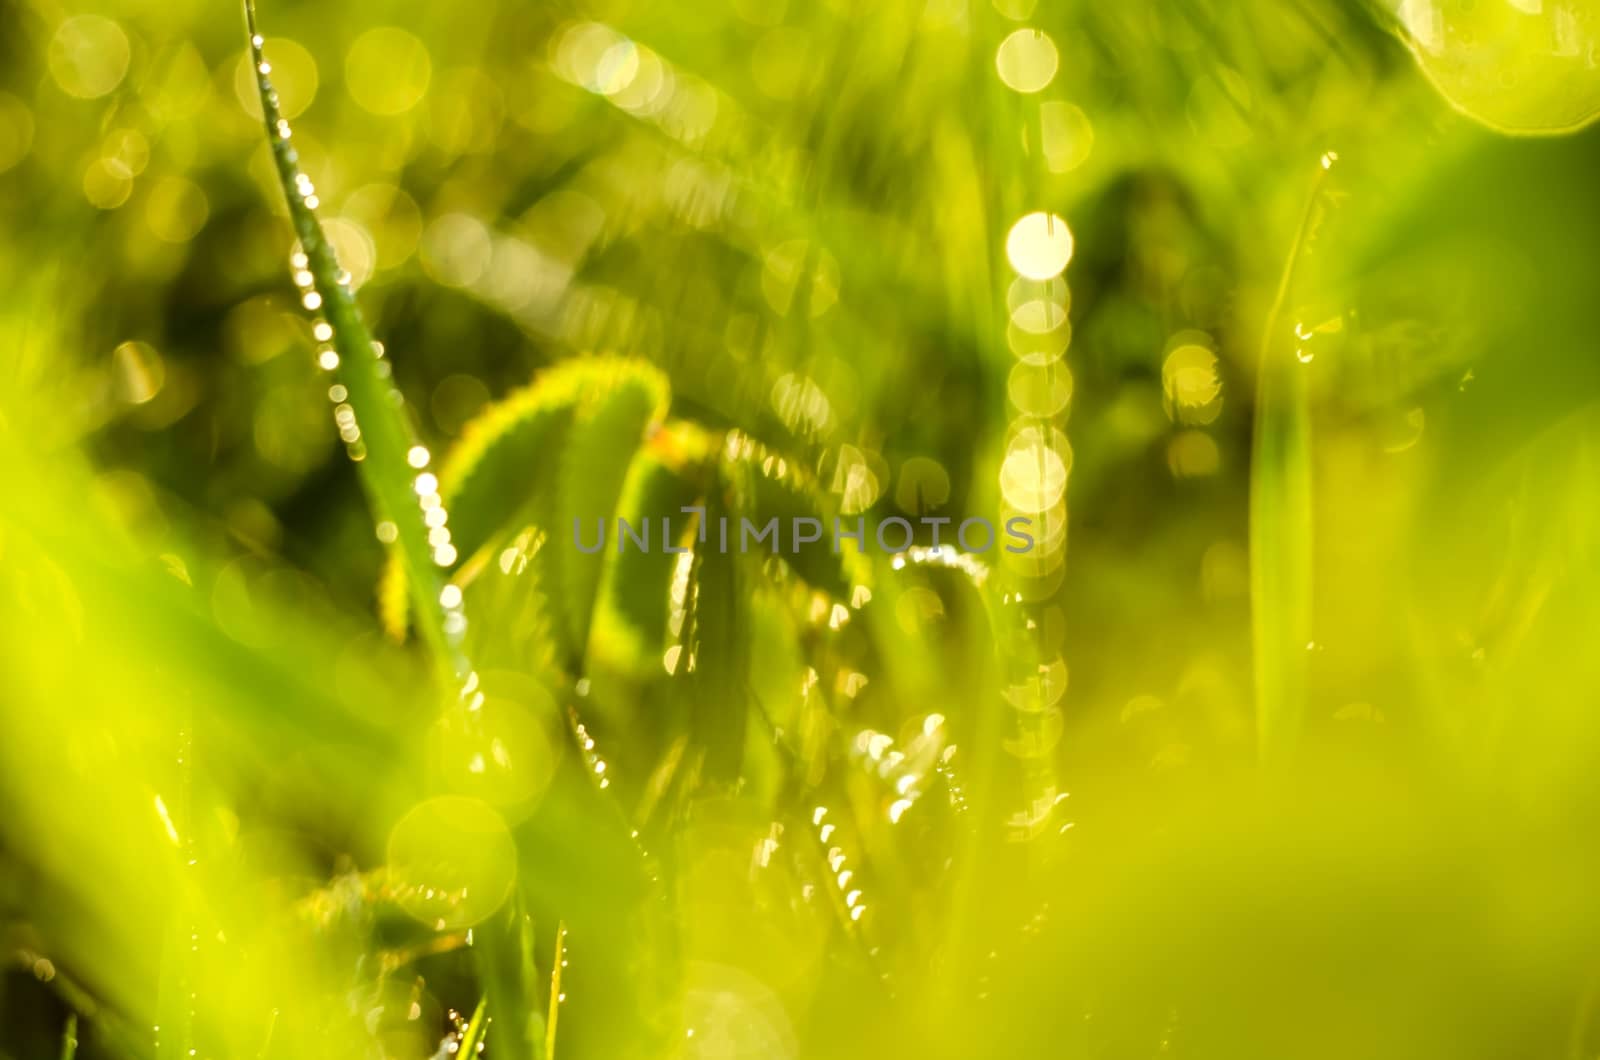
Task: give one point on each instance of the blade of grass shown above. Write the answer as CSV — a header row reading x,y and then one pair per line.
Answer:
x,y
380,441
179,987
977,844
1281,518
536,1029
69,1037
473,1035
557,959
506,972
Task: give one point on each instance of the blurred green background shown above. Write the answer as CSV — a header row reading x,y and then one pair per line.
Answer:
x,y
1275,316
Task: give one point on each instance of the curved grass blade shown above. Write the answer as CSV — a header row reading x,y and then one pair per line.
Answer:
x,y
368,411
556,450
485,479
1281,518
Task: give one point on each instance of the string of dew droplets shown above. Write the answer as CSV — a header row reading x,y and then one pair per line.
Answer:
x,y
367,407
1034,472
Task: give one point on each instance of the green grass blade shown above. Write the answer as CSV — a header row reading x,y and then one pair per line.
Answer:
x,y
629,629
378,436
606,438
486,478
472,1037
553,451
715,662
1281,519
557,960
509,979
771,485
69,1037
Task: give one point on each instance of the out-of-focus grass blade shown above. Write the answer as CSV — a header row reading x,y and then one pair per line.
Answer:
x,y
179,988
629,629
1281,517
776,486
715,656
69,1037
506,971
513,623
606,436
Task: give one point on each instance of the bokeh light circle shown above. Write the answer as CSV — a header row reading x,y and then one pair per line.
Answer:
x,y
387,70
1039,245
1033,475
451,861
1027,60
88,56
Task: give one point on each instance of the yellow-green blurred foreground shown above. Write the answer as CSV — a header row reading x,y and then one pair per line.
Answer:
x,y
321,738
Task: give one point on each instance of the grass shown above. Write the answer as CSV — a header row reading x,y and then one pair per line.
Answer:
x,y
375,431
1281,487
